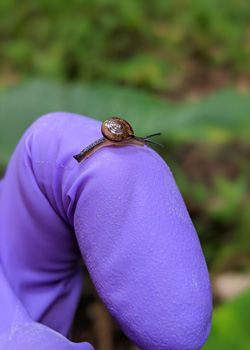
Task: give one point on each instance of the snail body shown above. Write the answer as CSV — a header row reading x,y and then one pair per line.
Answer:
x,y
118,132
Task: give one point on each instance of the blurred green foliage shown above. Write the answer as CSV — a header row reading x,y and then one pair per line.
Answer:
x,y
151,44
230,327
217,193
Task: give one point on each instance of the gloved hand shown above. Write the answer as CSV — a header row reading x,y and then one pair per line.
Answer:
x,y
122,208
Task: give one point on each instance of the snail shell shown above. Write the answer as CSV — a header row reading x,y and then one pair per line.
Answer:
x,y
116,129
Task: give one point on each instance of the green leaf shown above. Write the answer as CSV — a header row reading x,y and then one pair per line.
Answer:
x,y
230,325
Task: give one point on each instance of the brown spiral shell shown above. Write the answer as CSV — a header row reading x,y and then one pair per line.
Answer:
x,y
116,129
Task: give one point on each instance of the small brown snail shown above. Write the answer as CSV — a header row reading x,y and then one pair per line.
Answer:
x,y
116,132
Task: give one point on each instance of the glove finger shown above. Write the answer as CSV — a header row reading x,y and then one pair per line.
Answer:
x,y
38,247
141,249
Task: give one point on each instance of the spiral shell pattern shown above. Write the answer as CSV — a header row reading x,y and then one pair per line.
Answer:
x,y
114,126
117,129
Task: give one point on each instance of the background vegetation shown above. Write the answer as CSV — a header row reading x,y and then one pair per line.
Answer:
x,y
156,45
181,67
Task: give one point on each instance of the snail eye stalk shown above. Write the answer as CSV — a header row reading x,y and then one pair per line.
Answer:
x,y
157,134
146,139
153,142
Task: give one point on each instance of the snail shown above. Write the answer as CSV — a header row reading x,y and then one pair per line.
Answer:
x,y
116,132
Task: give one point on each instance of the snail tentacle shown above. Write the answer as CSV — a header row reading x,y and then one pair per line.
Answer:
x,y
145,139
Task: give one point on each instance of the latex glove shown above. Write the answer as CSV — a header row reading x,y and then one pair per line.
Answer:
x,y
124,210
19,332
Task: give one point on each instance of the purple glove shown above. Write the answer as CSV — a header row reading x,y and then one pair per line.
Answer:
x,y
19,332
123,209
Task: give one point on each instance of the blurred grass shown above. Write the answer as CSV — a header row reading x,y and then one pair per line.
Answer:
x,y
156,45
